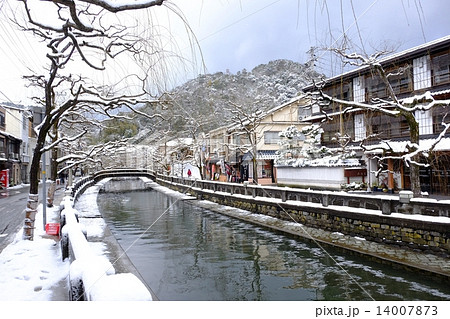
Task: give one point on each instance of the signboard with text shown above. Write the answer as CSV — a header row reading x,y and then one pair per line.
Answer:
x,y
4,178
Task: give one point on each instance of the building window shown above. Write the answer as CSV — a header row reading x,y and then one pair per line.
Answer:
x,y
236,139
422,72
440,68
425,121
359,89
271,137
375,88
439,114
388,127
330,129
360,127
2,146
2,119
342,91
304,111
402,82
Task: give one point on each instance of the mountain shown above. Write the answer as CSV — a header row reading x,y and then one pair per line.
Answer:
x,y
204,101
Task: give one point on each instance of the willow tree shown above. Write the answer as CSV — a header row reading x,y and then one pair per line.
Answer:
x,y
85,36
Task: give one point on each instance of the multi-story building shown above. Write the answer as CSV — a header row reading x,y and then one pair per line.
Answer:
x,y
232,148
18,140
423,68
14,132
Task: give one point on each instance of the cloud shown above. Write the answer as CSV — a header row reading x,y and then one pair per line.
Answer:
x,y
237,34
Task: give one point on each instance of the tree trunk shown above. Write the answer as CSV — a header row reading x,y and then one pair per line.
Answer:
x,y
54,157
35,168
414,137
253,141
255,169
33,197
415,181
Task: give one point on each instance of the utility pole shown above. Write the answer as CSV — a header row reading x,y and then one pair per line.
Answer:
x,y
44,191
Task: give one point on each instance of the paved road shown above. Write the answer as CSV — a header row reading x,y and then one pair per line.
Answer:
x,y
12,213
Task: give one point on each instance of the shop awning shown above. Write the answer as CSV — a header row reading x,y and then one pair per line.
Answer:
x,y
267,155
261,155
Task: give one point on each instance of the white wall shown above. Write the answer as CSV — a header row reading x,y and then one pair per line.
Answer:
x,y
176,170
329,177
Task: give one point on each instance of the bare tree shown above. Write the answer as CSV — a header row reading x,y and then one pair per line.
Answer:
x,y
247,120
391,106
86,31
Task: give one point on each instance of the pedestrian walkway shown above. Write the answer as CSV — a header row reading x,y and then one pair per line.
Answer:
x,y
33,270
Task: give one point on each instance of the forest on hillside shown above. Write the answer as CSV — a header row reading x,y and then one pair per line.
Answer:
x,y
203,103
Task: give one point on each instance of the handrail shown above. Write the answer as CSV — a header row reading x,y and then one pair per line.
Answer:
x,y
383,202
91,277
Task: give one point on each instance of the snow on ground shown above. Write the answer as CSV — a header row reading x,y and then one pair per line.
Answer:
x,y
29,270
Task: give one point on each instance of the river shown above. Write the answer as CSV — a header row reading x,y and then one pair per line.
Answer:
x,y
185,252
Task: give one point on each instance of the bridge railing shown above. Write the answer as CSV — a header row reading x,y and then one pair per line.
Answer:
x,y
385,203
92,277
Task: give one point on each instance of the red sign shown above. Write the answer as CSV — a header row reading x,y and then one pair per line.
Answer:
x,y
52,229
355,172
4,178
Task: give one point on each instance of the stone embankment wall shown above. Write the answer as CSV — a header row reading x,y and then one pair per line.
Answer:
x,y
124,184
379,224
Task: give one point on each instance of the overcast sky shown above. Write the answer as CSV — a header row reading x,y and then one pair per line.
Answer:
x,y
238,34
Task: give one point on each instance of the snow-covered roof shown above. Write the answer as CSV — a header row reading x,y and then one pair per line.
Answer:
x,y
265,114
11,136
180,141
401,146
441,92
17,107
288,103
420,49
327,161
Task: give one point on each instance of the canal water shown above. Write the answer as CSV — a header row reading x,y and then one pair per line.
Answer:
x,y
185,252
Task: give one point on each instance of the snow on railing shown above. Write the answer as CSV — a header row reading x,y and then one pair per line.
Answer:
x,y
93,277
385,203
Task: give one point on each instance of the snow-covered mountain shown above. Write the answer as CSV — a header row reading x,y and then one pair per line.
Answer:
x,y
203,101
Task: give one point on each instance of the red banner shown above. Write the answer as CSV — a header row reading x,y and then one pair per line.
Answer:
x,y
4,178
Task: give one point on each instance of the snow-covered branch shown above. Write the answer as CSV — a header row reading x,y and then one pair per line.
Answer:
x,y
381,107
64,139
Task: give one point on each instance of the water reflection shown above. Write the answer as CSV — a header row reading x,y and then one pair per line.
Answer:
x,y
188,253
